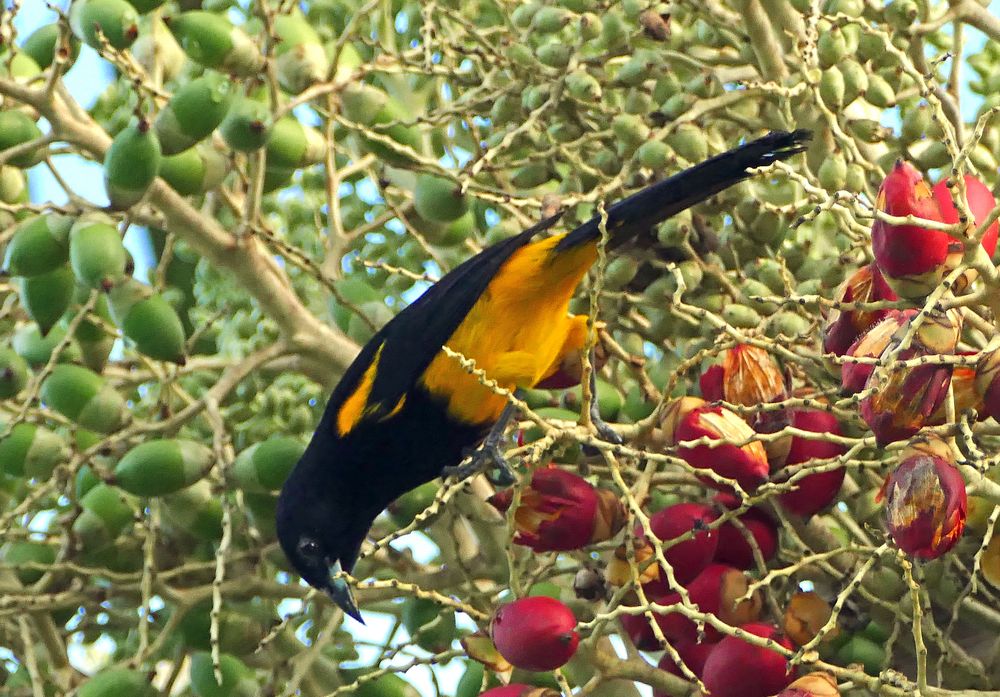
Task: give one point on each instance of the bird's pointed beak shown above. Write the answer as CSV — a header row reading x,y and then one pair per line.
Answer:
x,y
340,593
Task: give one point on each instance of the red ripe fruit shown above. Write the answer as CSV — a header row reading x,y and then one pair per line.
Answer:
x,y
744,374
981,204
517,690
901,402
912,259
741,459
536,633
715,590
872,344
812,685
925,504
963,386
844,327
733,548
561,511
687,558
738,669
815,491
694,657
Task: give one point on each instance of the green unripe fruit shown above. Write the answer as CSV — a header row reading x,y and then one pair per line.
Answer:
x,y
855,79
607,162
105,515
554,55
548,20
81,395
117,20
901,13
193,112
388,685
46,297
241,627
162,467
833,173
741,316
635,70
22,552
265,466
523,14
934,155
247,126
689,142
118,682
42,44
531,175
867,130
157,47
194,171
39,245
362,103
620,271
85,478
96,253
292,145
143,6
609,399
431,625
17,128
148,320
94,340
471,682
831,47
629,130
36,349
676,105
752,287
831,88
300,59
879,92
506,109
856,178
583,86
916,123
438,199
212,41
637,102
131,164
614,30
13,373
408,506
861,649
13,185
196,511
31,451
787,324
237,678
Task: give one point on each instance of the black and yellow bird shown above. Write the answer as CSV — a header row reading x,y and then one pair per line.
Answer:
x,y
405,411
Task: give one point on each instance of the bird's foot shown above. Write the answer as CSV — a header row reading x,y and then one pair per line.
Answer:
x,y
604,430
487,459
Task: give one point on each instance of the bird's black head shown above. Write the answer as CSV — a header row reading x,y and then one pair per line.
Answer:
x,y
320,534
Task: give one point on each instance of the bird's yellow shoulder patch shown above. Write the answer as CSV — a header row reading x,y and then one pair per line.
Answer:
x,y
354,407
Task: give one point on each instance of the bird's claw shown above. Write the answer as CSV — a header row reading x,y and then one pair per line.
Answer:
x,y
605,432
486,459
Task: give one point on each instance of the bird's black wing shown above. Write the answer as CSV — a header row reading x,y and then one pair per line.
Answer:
x,y
408,343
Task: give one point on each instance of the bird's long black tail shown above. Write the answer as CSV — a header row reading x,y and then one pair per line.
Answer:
x,y
636,214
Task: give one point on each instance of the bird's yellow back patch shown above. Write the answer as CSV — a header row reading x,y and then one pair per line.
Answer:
x,y
517,332
354,407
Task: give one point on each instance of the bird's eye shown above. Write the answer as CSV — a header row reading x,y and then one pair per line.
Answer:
x,y
309,547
